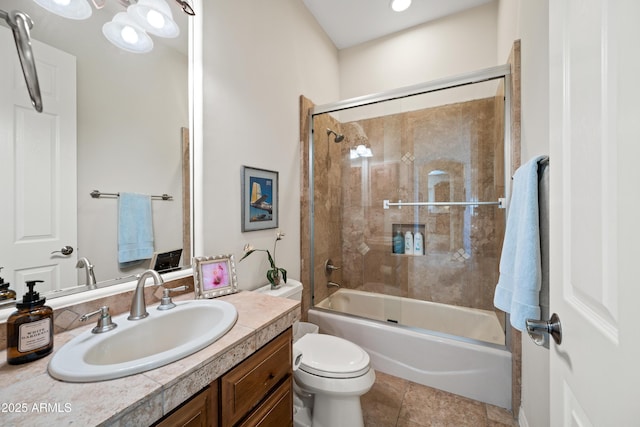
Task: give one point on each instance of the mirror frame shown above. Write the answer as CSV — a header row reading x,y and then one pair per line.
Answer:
x,y
196,144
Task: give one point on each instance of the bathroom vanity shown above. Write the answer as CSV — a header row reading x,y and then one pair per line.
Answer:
x,y
257,392
242,379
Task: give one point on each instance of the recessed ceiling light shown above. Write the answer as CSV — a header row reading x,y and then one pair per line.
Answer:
x,y
400,5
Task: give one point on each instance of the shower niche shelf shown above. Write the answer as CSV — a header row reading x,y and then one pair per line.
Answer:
x,y
403,228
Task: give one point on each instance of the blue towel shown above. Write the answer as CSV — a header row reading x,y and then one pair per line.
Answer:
x,y
135,228
518,288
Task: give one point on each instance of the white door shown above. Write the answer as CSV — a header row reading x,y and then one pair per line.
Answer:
x,y
595,211
38,169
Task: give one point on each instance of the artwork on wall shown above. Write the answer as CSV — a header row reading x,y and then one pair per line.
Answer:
x,y
214,276
259,199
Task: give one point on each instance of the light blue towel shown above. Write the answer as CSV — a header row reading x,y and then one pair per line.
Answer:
x,y
135,227
518,287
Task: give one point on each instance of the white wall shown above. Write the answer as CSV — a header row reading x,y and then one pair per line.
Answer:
x,y
443,48
529,21
259,58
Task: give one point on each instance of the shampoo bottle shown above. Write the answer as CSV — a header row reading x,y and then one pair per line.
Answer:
x,y
408,243
29,329
398,243
418,244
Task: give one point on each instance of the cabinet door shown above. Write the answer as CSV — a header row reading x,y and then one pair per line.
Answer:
x,y
199,411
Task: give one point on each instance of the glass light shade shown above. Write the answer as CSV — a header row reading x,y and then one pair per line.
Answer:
x,y
400,5
71,9
123,32
155,17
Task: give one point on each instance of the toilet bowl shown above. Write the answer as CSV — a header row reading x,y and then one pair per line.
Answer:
x,y
330,373
335,373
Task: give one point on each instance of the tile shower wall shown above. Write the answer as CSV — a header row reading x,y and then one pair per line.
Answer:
x,y
448,153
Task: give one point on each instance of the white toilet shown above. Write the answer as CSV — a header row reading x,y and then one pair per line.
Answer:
x,y
329,377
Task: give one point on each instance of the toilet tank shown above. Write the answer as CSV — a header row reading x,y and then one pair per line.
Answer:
x,y
291,290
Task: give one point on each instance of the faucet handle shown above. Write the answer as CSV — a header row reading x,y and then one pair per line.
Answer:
x,y
104,322
165,302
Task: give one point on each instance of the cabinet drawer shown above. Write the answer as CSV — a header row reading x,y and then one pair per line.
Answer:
x,y
247,384
275,411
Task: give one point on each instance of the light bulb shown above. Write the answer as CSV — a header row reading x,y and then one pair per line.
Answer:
x,y
129,35
400,5
155,19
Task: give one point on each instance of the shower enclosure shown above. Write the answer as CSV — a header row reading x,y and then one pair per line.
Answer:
x,y
424,163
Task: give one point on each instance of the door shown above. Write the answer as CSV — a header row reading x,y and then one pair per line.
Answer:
x,y
38,170
595,206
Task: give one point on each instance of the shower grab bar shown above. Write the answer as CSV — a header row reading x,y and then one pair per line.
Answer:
x,y
386,203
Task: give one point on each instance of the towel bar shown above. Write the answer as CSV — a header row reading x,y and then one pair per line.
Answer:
x,y
386,203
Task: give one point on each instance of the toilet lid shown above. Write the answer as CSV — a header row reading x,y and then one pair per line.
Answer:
x,y
331,357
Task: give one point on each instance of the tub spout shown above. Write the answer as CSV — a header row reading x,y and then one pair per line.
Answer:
x,y
330,283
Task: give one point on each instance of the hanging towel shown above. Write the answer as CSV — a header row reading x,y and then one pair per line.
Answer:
x,y
518,288
135,228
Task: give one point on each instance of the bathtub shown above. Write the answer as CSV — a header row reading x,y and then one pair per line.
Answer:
x,y
437,355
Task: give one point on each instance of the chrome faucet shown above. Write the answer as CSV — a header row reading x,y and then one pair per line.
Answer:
x,y
88,269
138,305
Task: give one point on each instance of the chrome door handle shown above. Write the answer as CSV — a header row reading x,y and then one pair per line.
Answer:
x,y
66,250
537,328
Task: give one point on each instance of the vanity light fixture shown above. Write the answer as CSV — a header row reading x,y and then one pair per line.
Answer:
x,y
360,151
72,9
128,30
126,34
400,5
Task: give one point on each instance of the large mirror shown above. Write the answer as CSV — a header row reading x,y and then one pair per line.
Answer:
x,y
126,133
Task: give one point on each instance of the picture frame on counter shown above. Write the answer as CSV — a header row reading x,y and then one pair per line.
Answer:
x,y
214,276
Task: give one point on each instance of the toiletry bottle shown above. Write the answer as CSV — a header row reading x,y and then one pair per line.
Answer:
x,y
29,329
418,244
398,243
408,243
6,294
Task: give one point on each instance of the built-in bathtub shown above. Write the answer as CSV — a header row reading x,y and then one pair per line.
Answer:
x,y
455,349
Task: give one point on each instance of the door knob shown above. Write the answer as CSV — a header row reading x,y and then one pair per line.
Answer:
x,y
66,250
537,328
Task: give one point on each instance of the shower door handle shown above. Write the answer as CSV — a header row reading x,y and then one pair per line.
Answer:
x,y
537,328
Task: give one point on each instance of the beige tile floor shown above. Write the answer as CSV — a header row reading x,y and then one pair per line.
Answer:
x,y
395,402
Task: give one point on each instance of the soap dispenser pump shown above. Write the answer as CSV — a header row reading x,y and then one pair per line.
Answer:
x,y
6,294
30,328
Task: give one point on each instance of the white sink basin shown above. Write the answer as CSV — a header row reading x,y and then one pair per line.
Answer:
x,y
140,345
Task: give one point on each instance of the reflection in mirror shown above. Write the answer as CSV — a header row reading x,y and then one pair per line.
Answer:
x,y
113,121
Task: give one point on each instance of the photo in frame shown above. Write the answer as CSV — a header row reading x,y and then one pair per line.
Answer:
x,y
214,276
259,199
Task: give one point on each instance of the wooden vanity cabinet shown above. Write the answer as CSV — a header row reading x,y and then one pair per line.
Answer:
x,y
258,392
200,410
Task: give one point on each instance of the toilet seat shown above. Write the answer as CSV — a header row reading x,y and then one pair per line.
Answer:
x,y
332,357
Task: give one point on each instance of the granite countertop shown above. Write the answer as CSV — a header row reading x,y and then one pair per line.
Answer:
x,y
29,396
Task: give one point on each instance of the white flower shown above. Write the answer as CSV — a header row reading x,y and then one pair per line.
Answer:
x,y
248,247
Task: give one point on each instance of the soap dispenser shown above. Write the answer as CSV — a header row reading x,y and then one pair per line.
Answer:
x,y
30,328
6,294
